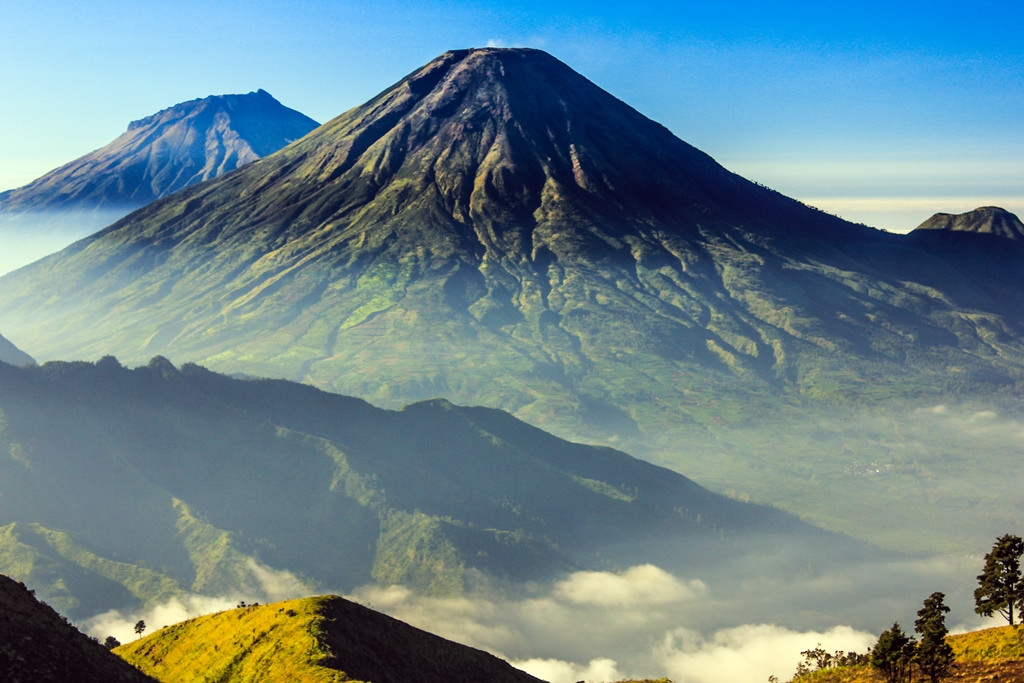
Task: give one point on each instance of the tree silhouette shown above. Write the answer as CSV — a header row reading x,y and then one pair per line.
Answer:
x,y
934,655
140,626
1001,587
893,655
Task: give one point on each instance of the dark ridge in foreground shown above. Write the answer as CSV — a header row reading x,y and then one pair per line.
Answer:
x,y
37,645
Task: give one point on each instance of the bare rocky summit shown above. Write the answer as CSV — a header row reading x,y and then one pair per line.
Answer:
x,y
987,220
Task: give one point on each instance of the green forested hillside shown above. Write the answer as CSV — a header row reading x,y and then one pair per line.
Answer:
x,y
121,487
496,230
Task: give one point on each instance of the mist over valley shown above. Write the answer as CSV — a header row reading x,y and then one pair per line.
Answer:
x,y
546,380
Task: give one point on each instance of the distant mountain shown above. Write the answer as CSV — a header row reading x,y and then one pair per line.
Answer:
x,y
9,353
323,639
987,220
497,230
127,487
157,156
40,645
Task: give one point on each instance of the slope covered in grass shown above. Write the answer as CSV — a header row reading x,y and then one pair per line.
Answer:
x,y
321,639
993,654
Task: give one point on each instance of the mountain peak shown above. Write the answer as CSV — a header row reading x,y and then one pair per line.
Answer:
x,y
326,638
165,152
985,220
156,156
493,209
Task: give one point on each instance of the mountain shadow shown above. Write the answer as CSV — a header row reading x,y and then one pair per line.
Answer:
x,y
40,645
163,481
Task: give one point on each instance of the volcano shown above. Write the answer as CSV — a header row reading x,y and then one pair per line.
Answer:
x,y
157,156
498,230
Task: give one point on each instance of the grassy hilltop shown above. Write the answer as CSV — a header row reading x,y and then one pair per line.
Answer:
x,y
318,640
993,654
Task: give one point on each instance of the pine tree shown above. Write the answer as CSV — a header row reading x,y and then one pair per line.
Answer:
x,y
893,655
934,654
1001,587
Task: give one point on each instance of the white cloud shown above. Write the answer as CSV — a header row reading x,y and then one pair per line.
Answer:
x,y
748,653
276,584
121,625
557,671
637,586
644,622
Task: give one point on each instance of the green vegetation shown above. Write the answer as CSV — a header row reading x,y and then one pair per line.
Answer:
x,y
899,658
414,550
317,640
995,654
271,643
73,579
656,302
227,483
1001,586
934,656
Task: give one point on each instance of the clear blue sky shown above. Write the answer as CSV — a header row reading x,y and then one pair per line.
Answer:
x,y
883,112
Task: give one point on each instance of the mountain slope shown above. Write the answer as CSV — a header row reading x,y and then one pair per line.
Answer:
x,y
164,481
497,211
497,230
987,220
157,156
312,639
37,644
9,353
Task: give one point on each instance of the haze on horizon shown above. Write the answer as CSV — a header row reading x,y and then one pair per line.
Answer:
x,y
881,118
881,115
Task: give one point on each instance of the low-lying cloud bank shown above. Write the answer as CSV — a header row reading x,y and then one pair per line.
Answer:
x,y
643,621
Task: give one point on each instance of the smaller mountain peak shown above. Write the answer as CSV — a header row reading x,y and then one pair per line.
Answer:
x,y
985,220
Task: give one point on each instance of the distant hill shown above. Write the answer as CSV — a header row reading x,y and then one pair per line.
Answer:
x,y
37,645
988,220
311,639
9,353
127,487
497,230
157,156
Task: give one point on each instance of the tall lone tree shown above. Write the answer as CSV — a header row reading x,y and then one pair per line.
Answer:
x,y
934,654
1001,586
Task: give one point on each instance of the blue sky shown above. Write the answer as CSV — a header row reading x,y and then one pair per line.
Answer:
x,y
882,112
